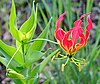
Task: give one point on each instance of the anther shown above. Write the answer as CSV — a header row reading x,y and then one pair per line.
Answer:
x,y
63,65
84,62
79,67
52,58
57,54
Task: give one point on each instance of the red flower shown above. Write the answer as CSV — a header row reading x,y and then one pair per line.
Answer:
x,y
74,39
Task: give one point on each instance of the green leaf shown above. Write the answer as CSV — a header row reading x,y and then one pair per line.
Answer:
x,y
13,63
36,81
27,26
39,45
33,57
70,12
9,50
45,61
44,16
34,71
13,30
46,82
18,81
41,66
89,5
60,5
31,32
47,7
15,75
96,55
3,61
30,80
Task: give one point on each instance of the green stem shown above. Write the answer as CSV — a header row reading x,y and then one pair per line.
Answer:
x,y
67,61
41,39
13,56
62,57
74,62
23,51
26,81
76,59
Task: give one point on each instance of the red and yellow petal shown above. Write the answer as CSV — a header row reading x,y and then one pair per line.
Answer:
x,y
79,21
76,32
87,34
82,16
64,48
75,36
81,43
59,35
60,19
71,46
67,44
89,25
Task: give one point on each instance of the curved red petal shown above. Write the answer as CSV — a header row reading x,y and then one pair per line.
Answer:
x,y
76,32
75,36
82,39
82,16
68,44
79,21
60,34
89,25
80,44
80,31
64,48
60,19
87,34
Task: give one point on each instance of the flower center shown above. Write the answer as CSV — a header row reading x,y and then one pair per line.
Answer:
x,y
70,58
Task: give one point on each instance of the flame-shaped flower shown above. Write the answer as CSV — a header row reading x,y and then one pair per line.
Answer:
x,y
74,39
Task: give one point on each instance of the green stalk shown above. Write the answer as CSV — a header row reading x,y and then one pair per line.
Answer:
x,y
41,39
12,57
23,51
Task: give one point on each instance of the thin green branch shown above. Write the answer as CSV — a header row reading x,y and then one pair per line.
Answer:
x,y
13,56
41,39
67,61
23,51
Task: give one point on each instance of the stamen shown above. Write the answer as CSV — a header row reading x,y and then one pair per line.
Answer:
x,y
67,61
74,61
57,54
62,55
63,65
79,67
53,58
56,57
84,63
61,58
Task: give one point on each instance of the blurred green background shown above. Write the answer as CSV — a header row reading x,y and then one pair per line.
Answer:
x,y
54,8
